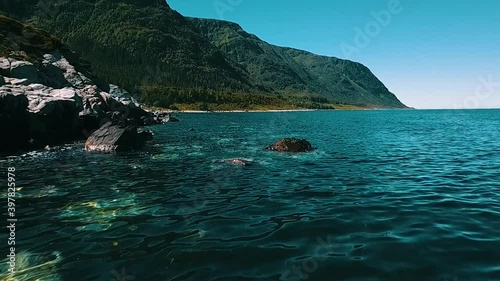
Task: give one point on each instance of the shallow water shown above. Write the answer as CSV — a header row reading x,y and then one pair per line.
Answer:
x,y
386,195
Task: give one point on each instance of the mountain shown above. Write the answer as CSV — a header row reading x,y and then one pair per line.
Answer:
x,y
294,71
167,59
134,42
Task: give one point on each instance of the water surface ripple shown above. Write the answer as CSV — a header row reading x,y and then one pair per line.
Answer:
x,y
386,195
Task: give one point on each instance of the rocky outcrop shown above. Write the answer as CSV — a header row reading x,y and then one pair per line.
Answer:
x,y
48,95
158,117
112,138
25,70
291,145
33,116
54,103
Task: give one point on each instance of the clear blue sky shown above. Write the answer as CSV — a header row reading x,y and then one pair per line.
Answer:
x,y
430,53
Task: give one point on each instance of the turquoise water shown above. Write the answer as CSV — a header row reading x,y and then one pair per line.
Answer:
x,y
386,195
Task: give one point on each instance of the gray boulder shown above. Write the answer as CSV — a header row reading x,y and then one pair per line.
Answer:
x,y
112,138
24,70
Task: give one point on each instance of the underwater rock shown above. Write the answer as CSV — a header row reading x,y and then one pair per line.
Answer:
x,y
238,162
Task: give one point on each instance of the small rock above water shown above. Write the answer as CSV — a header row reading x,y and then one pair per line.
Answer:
x,y
238,162
291,145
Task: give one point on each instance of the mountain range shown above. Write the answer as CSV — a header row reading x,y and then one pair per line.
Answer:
x,y
169,60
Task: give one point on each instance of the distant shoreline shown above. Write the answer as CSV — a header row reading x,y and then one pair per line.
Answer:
x,y
244,111
271,110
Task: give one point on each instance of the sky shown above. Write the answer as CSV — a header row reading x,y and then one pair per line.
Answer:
x,y
430,53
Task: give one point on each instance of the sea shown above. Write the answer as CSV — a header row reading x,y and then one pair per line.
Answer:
x,y
386,195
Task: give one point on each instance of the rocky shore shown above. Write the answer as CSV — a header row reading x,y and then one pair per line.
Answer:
x,y
50,96
52,102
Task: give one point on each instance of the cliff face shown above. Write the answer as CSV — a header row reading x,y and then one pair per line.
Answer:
x,y
138,44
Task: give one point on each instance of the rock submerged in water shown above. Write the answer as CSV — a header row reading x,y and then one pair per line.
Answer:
x,y
238,162
291,145
111,137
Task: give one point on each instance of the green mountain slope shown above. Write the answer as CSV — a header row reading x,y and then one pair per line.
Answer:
x,y
294,71
134,42
150,49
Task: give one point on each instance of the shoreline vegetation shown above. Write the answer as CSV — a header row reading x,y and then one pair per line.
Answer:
x,y
188,109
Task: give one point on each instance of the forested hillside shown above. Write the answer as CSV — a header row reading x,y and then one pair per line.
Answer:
x,y
169,60
298,72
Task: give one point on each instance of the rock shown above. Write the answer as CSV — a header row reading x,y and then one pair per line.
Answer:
x,y
55,77
146,135
52,103
89,121
163,117
24,70
123,96
58,98
238,162
108,103
17,82
44,100
4,66
171,119
14,121
148,120
53,114
111,138
291,145
71,75
108,108
156,118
